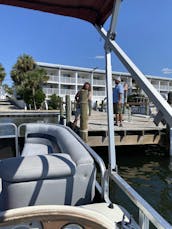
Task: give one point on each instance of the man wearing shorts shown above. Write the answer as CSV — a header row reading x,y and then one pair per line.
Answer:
x,y
118,101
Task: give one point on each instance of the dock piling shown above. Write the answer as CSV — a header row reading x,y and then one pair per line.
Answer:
x,y
129,114
84,116
68,109
62,118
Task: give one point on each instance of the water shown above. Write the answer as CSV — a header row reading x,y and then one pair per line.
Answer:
x,y
28,119
146,168
149,171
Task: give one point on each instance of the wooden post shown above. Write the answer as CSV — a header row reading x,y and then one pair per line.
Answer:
x,y
61,107
84,116
129,113
147,106
96,105
73,107
102,105
61,112
68,109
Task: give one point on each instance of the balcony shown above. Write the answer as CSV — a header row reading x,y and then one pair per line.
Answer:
x,y
99,93
99,82
164,87
67,92
50,91
53,78
67,80
156,86
83,80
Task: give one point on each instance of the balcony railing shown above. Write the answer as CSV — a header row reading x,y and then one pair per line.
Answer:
x,y
99,82
99,93
156,85
67,80
53,78
67,92
164,87
83,80
51,91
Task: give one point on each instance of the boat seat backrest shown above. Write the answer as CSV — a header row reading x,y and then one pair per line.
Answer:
x,y
38,142
57,137
65,178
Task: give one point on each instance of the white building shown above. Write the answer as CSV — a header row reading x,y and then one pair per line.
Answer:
x,y
67,80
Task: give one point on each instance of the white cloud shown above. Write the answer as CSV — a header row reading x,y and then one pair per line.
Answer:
x,y
99,57
167,70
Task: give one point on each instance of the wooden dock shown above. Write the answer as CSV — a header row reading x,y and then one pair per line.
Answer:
x,y
136,130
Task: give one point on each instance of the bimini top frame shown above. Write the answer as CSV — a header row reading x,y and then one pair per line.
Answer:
x,y
97,12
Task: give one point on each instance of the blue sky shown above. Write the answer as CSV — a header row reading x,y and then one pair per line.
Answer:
x,y
143,29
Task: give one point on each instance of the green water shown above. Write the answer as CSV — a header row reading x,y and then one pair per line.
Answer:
x,y
149,171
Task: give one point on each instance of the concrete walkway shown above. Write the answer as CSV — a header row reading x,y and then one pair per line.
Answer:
x,y
5,105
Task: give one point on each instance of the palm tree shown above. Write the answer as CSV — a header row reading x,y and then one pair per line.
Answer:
x,y
24,64
28,78
34,80
2,73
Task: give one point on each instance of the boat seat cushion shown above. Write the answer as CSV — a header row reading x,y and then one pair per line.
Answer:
x,y
67,177
31,149
45,180
36,168
39,144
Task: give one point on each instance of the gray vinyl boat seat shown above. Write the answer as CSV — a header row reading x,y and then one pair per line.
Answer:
x,y
59,171
39,141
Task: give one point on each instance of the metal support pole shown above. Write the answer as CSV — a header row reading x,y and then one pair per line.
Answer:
x,y
143,221
169,128
114,19
111,137
170,136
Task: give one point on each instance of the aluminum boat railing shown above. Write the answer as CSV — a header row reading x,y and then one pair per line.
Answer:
x,y
147,213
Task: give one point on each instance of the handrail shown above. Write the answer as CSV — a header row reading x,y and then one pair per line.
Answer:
x,y
19,128
15,135
144,208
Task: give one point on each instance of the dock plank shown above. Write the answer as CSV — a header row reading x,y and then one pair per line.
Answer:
x,y
136,130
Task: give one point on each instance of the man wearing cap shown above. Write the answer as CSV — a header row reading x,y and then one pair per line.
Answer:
x,y
118,100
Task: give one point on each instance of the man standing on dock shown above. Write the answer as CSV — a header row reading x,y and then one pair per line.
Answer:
x,y
118,101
